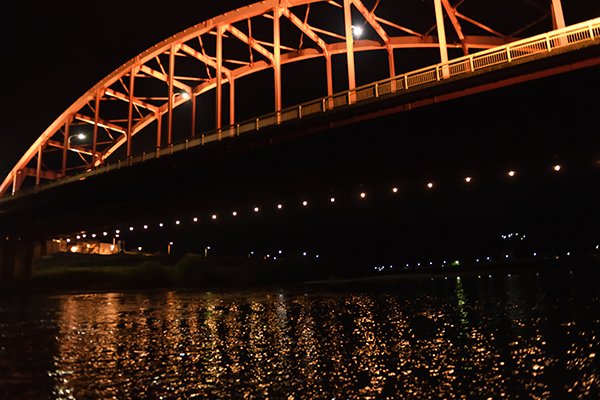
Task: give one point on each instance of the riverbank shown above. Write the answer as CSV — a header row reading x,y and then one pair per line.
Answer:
x,y
507,268
94,274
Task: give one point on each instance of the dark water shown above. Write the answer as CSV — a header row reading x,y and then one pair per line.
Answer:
x,y
526,336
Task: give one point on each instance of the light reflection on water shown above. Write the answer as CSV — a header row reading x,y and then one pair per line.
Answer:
x,y
507,337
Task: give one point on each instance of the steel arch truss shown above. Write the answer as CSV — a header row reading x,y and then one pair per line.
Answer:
x,y
209,58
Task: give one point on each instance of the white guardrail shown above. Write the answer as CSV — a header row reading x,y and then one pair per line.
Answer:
x,y
540,44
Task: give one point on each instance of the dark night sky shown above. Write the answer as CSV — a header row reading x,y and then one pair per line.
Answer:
x,y
58,50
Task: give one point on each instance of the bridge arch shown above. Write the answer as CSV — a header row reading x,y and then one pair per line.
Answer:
x,y
209,58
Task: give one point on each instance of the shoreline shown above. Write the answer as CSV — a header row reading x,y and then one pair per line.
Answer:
x,y
143,278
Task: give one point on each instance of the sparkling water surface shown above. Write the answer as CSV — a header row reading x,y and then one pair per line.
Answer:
x,y
519,336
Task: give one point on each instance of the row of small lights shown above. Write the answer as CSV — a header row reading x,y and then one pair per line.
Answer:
x,y
429,264
490,276
381,268
445,263
391,267
304,203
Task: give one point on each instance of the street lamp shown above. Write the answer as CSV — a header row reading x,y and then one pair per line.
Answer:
x,y
80,136
357,31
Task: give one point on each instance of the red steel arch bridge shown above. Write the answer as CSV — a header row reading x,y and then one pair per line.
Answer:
x,y
131,115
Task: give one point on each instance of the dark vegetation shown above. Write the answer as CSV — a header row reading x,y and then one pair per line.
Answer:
x,y
84,273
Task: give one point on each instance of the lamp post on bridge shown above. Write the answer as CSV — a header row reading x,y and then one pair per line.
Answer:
x,y
65,150
80,136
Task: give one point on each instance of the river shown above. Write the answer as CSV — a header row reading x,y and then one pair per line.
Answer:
x,y
533,335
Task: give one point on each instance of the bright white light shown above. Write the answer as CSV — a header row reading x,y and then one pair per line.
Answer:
x,y
332,199
131,228
104,233
535,254
279,206
280,251
305,203
139,249
93,235
74,249
357,31
430,185
81,136
112,247
145,226
214,216
234,213
185,95
363,195
117,231
304,253
556,167
68,240
256,209
161,224
512,173
171,243
78,237
468,179
395,190
177,222
195,219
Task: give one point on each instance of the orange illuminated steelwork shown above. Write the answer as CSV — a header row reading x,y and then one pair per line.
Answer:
x,y
214,67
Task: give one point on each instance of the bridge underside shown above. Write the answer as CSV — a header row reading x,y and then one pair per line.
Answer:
x,y
527,128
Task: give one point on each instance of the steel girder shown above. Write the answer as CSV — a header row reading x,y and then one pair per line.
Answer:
x,y
140,103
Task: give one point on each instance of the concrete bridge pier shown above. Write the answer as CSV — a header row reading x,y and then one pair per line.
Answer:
x,y
18,258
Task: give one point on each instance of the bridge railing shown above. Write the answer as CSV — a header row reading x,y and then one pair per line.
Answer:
x,y
536,45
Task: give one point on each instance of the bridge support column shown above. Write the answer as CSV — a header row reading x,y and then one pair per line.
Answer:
x,y
18,258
